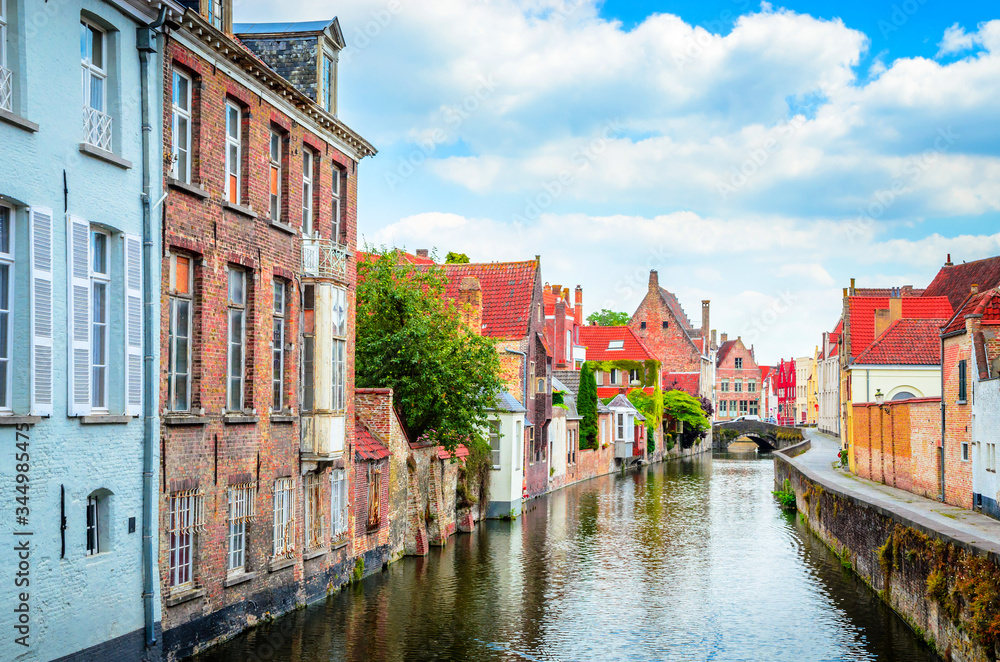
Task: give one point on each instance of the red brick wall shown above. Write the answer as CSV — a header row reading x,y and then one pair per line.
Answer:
x,y
366,539
727,370
897,445
375,408
958,418
671,346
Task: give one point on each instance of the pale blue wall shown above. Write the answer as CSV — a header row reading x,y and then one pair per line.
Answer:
x,y
76,602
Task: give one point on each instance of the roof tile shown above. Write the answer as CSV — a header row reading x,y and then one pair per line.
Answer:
x,y
906,342
597,340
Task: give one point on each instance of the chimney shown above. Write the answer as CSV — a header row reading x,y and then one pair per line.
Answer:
x,y
975,288
470,304
948,263
705,326
578,304
895,305
654,280
714,343
423,252
725,338
852,286
556,290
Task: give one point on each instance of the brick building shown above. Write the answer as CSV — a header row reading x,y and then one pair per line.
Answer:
x,y
258,320
785,387
563,320
739,381
686,353
828,382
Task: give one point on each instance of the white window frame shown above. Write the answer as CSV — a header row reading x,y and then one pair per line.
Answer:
x,y
234,162
8,219
274,175
620,427
599,377
279,327
315,531
284,536
7,82
91,70
181,110
185,518
338,503
737,386
215,14
308,165
99,396
327,73
236,310
495,443
241,501
739,363
176,299
335,193
339,353
616,378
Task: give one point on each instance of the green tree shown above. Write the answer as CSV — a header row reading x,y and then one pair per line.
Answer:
x,y
681,406
586,406
456,258
410,338
609,318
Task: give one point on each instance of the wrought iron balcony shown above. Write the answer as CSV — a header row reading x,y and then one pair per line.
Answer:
x,y
324,258
96,128
6,89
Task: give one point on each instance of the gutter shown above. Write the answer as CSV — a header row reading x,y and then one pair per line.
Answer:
x,y
146,37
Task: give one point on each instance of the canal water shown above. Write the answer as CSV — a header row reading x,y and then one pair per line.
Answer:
x,y
689,561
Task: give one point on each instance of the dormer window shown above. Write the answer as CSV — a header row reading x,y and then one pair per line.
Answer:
x,y
215,14
616,344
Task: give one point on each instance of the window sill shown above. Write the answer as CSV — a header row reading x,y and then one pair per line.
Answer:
x,y
20,420
283,418
190,189
239,209
183,419
239,419
284,227
338,544
184,596
238,578
314,554
105,419
105,156
962,402
280,564
18,121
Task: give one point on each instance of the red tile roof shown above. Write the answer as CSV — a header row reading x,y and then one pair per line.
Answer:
x,y
612,391
724,350
985,303
460,451
673,381
507,287
597,339
675,307
765,370
906,342
863,316
366,445
408,258
955,282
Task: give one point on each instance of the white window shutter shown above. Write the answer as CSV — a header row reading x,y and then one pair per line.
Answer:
x,y
133,325
41,311
79,314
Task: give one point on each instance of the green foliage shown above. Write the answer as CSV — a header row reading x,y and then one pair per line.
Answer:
x,y
786,496
681,406
456,258
586,406
359,570
475,474
410,338
609,318
559,399
651,407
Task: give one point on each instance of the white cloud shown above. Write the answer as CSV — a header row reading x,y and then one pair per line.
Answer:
x,y
955,40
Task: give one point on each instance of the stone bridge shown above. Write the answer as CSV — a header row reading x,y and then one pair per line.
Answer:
x,y
768,437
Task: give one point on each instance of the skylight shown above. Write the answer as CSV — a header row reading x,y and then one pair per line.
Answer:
x,y
616,344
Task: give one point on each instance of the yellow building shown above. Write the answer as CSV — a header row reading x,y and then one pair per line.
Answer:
x,y
812,391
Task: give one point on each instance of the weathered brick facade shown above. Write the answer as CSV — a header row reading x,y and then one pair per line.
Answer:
x,y
897,444
958,420
738,382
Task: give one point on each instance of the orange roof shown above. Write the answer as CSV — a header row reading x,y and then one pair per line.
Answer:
x,y
366,445
956,281
986,304
507,288
863,316
408,258
460,452
599,341
906,342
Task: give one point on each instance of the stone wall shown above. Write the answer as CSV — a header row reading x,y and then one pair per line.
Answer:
x,y
431,516
928,575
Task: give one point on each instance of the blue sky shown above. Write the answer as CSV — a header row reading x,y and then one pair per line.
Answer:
x,y
758,155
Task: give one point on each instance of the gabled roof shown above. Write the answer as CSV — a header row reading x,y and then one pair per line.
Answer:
x,y
507,288
985,304
598,341
906,342
675,307
765,371
863,316
569,400
507,403
905,291
724,350
621,402
955,282
571,378
367,446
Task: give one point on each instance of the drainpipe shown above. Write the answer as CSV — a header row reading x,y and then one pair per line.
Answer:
x,y
943,418
146,44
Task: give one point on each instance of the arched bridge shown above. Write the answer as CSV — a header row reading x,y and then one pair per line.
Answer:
x,y
767,436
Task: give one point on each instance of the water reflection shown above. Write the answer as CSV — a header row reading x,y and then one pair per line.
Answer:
x,y
689,561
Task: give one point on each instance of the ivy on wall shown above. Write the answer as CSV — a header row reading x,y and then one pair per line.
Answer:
x,y
649,376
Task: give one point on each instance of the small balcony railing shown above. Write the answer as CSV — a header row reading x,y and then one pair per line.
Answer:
x,y
96,128
6,89
324,258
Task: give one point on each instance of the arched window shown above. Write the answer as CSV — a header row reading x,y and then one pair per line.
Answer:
x,y
903,395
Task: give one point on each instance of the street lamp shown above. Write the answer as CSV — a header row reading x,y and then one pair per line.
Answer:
x,y
880,401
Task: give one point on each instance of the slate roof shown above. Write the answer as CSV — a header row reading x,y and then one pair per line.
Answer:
x,y
906,342
569,399
684,382
863,316
571,378
597,338
283,27
366,445
985,303
507,402
621,401
955,282
507,287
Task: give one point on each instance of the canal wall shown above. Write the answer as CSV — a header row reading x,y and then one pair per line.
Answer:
x,y
939,580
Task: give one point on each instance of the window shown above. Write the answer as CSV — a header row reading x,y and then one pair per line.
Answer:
x,y
962,382
743,407
494,432
754,408
6,78
242,506
6,271
327,84
518,445
616,377
284,538
337,212
179,334
278,348
666,324
532,446
616,344
185,520
314,512
732,407
725,386
965,451
100,284
308,345
569,346
307,192
633,376
540,387
571,445
738,386
991,457
95,525
620,429
339,350
739,364
237,339
234,149
338,502
181,129
599,377
93,54
642,325
374,495
274,176
215,15
531,379
751,386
